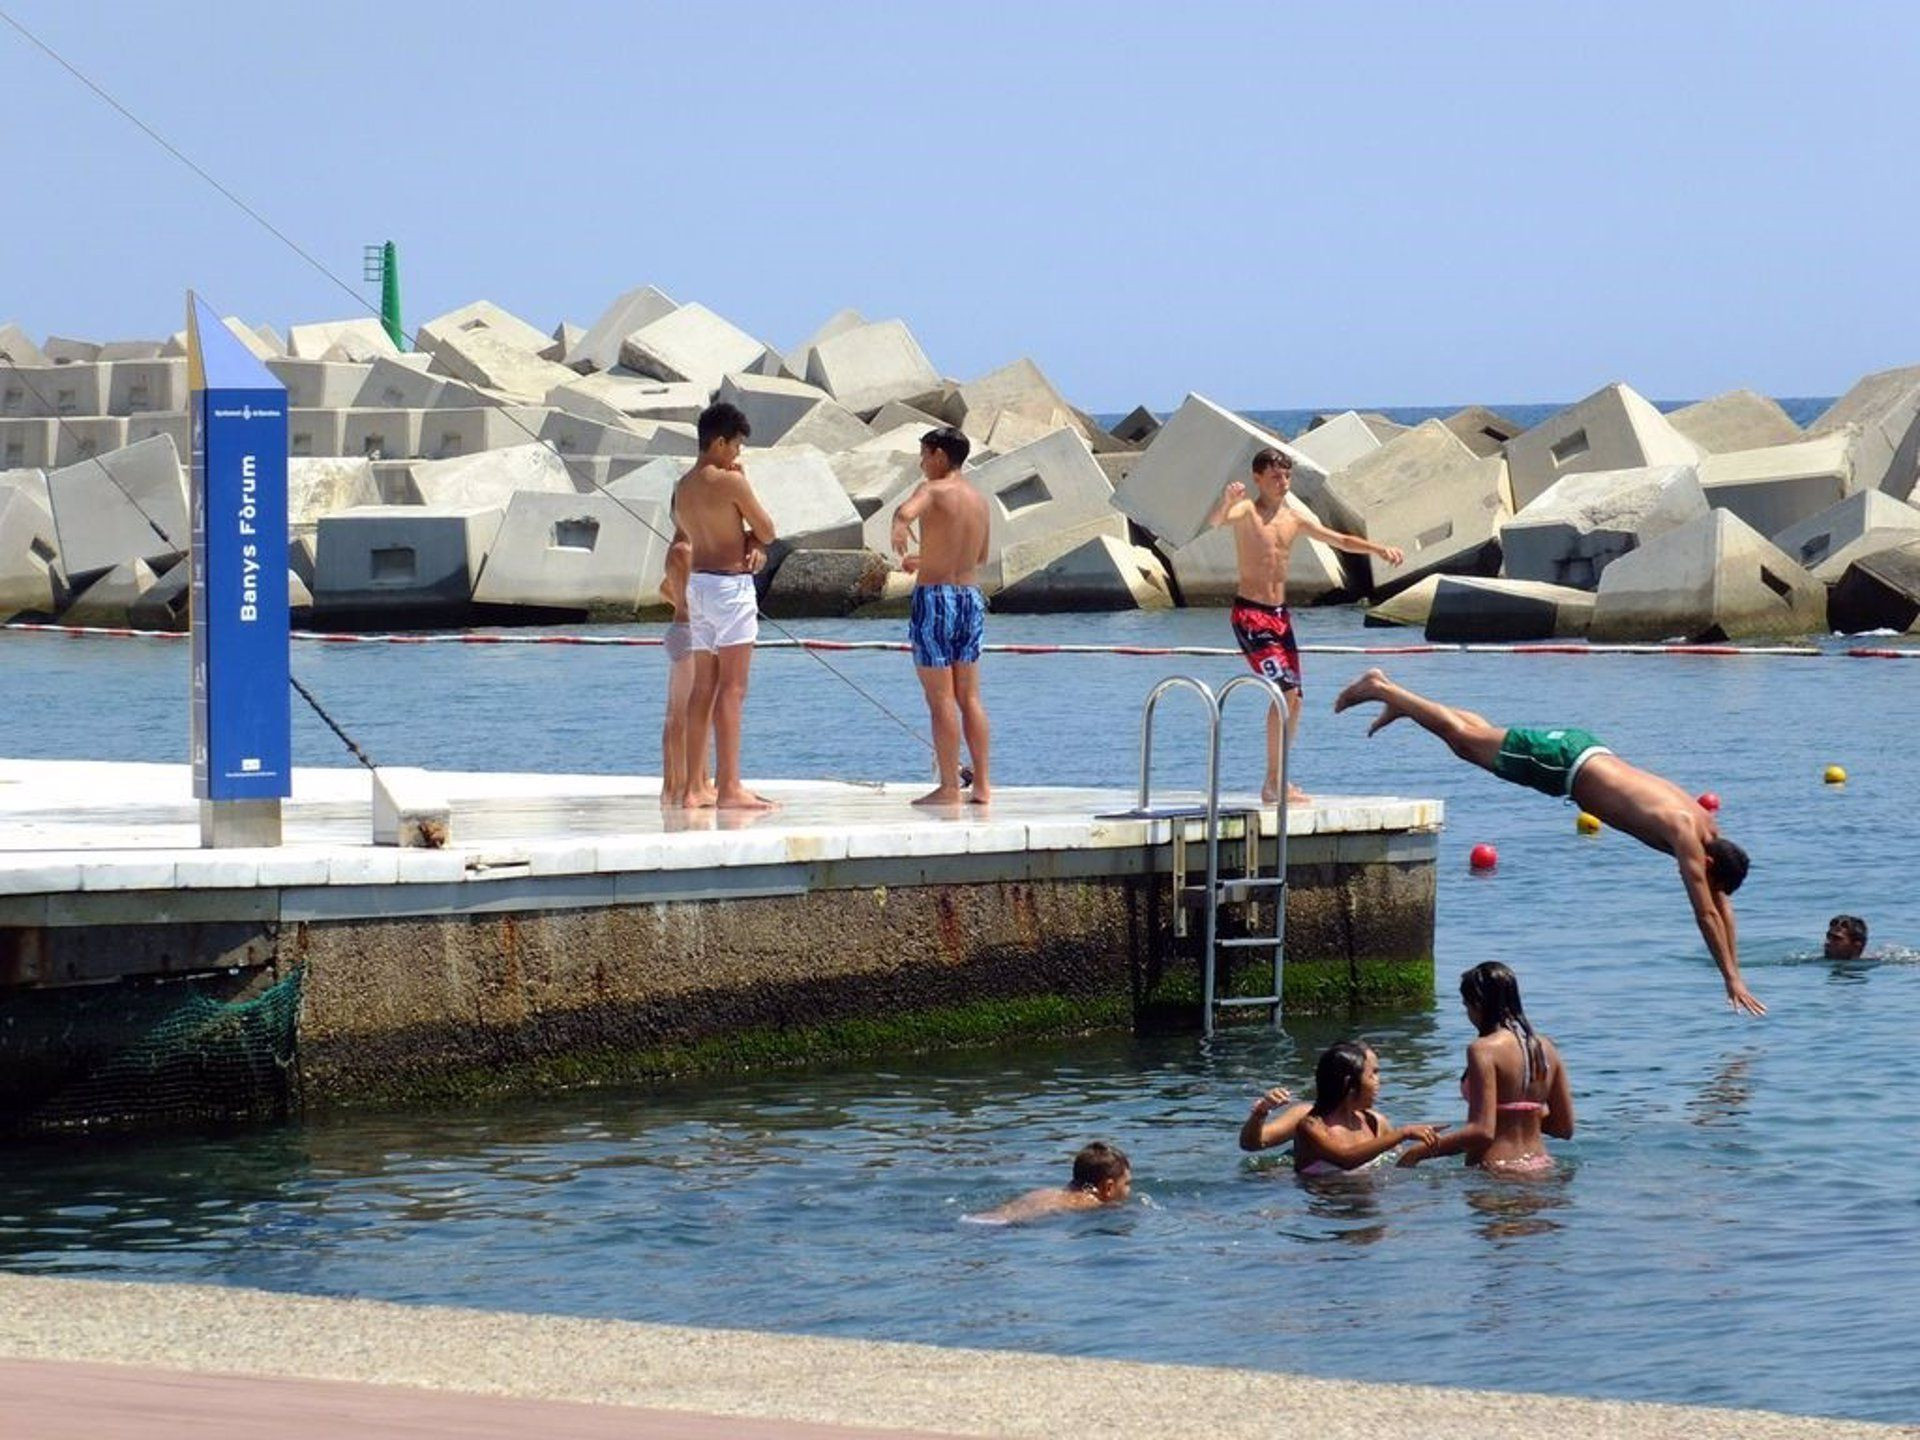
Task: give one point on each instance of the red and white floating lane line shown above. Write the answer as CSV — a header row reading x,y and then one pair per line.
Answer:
x,y
317,637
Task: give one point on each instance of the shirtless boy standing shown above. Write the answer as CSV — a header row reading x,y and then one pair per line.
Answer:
x,y
722,519
949,618
1264,529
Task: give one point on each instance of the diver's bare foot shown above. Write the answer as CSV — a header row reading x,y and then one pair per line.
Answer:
x,y
742,799
1373,685
941,795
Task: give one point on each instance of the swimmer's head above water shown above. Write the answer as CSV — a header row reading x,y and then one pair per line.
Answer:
x,y
1103,1171
1846,938
1347,1070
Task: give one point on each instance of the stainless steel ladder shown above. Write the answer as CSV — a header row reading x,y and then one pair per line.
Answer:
x,y
1216,892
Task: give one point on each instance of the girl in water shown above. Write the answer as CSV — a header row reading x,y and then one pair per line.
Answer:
x,y
1342,1130
1515,1087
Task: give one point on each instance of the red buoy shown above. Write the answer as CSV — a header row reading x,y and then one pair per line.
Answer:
x,y
1483,857
1709,801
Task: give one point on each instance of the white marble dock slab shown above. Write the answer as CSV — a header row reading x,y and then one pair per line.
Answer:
x,y
88,826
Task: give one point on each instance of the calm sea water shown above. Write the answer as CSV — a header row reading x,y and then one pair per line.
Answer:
x,y
1738,1221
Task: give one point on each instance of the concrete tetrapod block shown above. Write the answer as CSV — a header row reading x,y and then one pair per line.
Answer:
x,y
381,434
314,432
1012,429
572,435
1020,388
1052,488
1469,609
114,350
136,387
586,555
1104,573
165,603
365,335
31,580
17,348
803,496
78,389
400,564
479,357
1614,428
1427,493
1713,579
633,397
692,344
1137,427
108,601
599,348
176,427
390,385
1170,492
63,350
838,323
871,478
411,808
772,405
129,505
1866,522
1881,414
900,440
29,443
81,437
1338,443
31,479
866,367
1880,591
824,583
897,414
490,478
320,384
1580,525
1206,569
566,337
502,325
828,426
1483,431
1782,485
1410,606
1737,420
324,485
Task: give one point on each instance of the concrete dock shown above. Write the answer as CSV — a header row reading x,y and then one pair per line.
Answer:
x,y
571,933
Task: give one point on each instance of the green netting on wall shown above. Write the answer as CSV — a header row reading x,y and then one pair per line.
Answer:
x,y
147,1054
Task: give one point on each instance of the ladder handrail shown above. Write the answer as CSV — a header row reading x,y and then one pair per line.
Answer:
x,y
1172,682
1277,704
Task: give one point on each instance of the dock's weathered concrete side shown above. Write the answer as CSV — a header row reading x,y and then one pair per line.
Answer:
x,y
569,937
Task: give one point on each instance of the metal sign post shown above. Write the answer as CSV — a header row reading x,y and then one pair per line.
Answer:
x,y
242,715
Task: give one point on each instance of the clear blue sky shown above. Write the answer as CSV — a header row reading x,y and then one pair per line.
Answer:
x,y
1275,204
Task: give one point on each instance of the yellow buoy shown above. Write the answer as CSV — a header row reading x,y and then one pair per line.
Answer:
x,y
1587,824
1835,775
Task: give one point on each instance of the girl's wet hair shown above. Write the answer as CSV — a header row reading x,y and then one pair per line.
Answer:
x,y
1338,1074
1494,993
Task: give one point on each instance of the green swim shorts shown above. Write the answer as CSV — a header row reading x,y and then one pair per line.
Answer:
x,y
1546,760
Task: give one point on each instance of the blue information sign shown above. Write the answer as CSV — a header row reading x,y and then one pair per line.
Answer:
x,y
242,719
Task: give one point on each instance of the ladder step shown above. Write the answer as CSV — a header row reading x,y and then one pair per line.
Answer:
x,y
1233,891
1250,942
1239,1002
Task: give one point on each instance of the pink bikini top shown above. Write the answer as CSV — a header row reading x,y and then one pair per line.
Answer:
x,y
1510,1107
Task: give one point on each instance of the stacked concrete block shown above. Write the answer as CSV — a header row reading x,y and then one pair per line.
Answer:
x,y
1880,591
1011,430
866,367
691,344
1713,579
839,323
871,478
1103,573
566,337
652,481
1582,524
1612,429
1866,522
804,499
80,388
1782,485
320,384
129,505
1737,420
1410,606
490,478
164,605
897,415
1173,488
1137,427
139,387
482,315
176,427
84,436
17,348
900,440
401,563
324,486
1048,498
599,348
1469,609
828,426
108,599
667,437
773,405
1019,389
32,582
1337,443
392,385
64,350
480,357
1483,431
381,434
632,397
1428,494
28,443
316,432
1206,569
1881,417
573,435
312,342
585,554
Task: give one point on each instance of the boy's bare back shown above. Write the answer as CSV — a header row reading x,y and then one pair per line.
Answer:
x,y
954,527
714,507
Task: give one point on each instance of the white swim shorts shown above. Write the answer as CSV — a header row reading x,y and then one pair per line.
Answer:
x,y
722,610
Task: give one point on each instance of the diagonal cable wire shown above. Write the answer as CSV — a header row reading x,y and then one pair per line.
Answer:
x,y
363,303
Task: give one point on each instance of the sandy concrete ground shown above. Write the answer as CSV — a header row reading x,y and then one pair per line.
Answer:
x,y
715,1373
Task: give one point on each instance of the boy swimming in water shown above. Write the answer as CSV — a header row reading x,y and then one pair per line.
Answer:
x,y
1574,764
1101,1176
1265,528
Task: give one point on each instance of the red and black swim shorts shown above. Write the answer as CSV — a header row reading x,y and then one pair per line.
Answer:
x,y
1265,635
